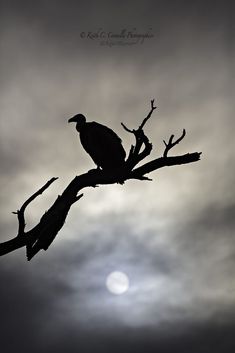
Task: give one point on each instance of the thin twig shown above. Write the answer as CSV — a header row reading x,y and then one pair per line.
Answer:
x,y
20,212
149,114
141,139
170,144
126,128
143,122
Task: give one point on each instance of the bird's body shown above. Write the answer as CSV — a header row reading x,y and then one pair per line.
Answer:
x,y
101,143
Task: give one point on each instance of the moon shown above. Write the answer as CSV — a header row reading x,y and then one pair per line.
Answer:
x,y
117,282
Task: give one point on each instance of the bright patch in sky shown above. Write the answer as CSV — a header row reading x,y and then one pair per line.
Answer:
x,y
117,282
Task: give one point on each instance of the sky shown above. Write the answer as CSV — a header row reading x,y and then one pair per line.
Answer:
x,y
174,236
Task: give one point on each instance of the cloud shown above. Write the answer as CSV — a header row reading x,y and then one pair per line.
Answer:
x,y
176,287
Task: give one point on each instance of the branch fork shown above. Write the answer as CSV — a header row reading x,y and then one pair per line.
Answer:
x,y
135,156
170,144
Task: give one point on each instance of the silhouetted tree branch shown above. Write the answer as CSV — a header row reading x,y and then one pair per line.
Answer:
x,y
170,144
140,139
43,234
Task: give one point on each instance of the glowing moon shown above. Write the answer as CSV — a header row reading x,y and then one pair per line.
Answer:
x,y
117,282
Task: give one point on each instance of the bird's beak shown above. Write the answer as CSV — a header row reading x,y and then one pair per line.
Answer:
x,y
73,119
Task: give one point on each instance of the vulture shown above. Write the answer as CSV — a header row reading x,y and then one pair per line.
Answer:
x,y
100,142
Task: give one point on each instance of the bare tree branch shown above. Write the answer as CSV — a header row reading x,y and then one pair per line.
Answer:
x,y
170,144
141,139
149,114
20,212
43,234
165,162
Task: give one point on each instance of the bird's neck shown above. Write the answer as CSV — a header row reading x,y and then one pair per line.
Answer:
x,y
80,127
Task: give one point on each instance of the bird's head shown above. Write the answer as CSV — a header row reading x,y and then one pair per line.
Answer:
x,y
79,119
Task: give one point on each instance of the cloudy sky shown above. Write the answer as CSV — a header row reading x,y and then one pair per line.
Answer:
x,y
174,236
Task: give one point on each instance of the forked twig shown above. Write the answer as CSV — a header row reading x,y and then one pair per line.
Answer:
x,y
141,139
143,122
170,144
20,212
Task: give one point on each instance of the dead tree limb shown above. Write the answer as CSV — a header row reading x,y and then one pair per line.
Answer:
x,y
170,144
43,234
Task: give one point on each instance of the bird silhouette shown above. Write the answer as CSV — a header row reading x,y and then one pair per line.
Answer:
x,y
100,142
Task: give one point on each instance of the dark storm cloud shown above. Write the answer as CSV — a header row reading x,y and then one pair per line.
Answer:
x,y
210,238
75,12
60,26
26,307
61,303
31,312
203,339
